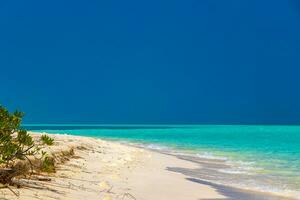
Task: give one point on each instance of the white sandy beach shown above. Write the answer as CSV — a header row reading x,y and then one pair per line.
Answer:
x,y
109,170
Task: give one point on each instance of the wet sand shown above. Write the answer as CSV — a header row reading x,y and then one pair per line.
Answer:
x,y
231,193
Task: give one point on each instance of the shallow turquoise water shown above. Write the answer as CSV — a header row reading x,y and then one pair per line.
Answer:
x,y
271,152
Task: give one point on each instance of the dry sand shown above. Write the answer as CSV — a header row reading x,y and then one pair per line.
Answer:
x,y
107,170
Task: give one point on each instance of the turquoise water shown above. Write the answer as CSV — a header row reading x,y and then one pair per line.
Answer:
x,y
266,158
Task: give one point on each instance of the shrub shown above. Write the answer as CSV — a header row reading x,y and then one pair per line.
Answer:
x,y
48,165
47,140
15,143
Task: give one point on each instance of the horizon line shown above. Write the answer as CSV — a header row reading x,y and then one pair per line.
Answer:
x,y
150,124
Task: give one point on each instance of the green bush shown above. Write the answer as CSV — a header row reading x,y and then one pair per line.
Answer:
x,y
47,140
15,143
48,165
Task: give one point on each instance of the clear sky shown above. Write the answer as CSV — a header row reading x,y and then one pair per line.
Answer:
x,y
158,61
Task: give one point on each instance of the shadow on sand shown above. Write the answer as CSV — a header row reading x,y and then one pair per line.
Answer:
x,y
230,192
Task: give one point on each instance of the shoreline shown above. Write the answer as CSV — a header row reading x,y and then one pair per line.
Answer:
x,y
204,161
107,170
229,191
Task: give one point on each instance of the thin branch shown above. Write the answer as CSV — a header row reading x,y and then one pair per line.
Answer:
x,y
31,165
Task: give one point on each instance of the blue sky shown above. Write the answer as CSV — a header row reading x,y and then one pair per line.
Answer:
x,y
193,61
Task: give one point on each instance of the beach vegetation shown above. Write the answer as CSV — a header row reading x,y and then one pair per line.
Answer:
x,y
47,140
48,165
18,148
15,143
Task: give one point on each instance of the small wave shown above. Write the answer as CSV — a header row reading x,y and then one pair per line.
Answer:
x,y
148,146
241,163
276,190
207,155
155,147
243,166
232,171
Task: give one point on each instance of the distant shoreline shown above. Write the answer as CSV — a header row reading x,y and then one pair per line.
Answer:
x,y
154,124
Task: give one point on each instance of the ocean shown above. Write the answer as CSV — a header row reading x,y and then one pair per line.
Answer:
x,y
259,158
